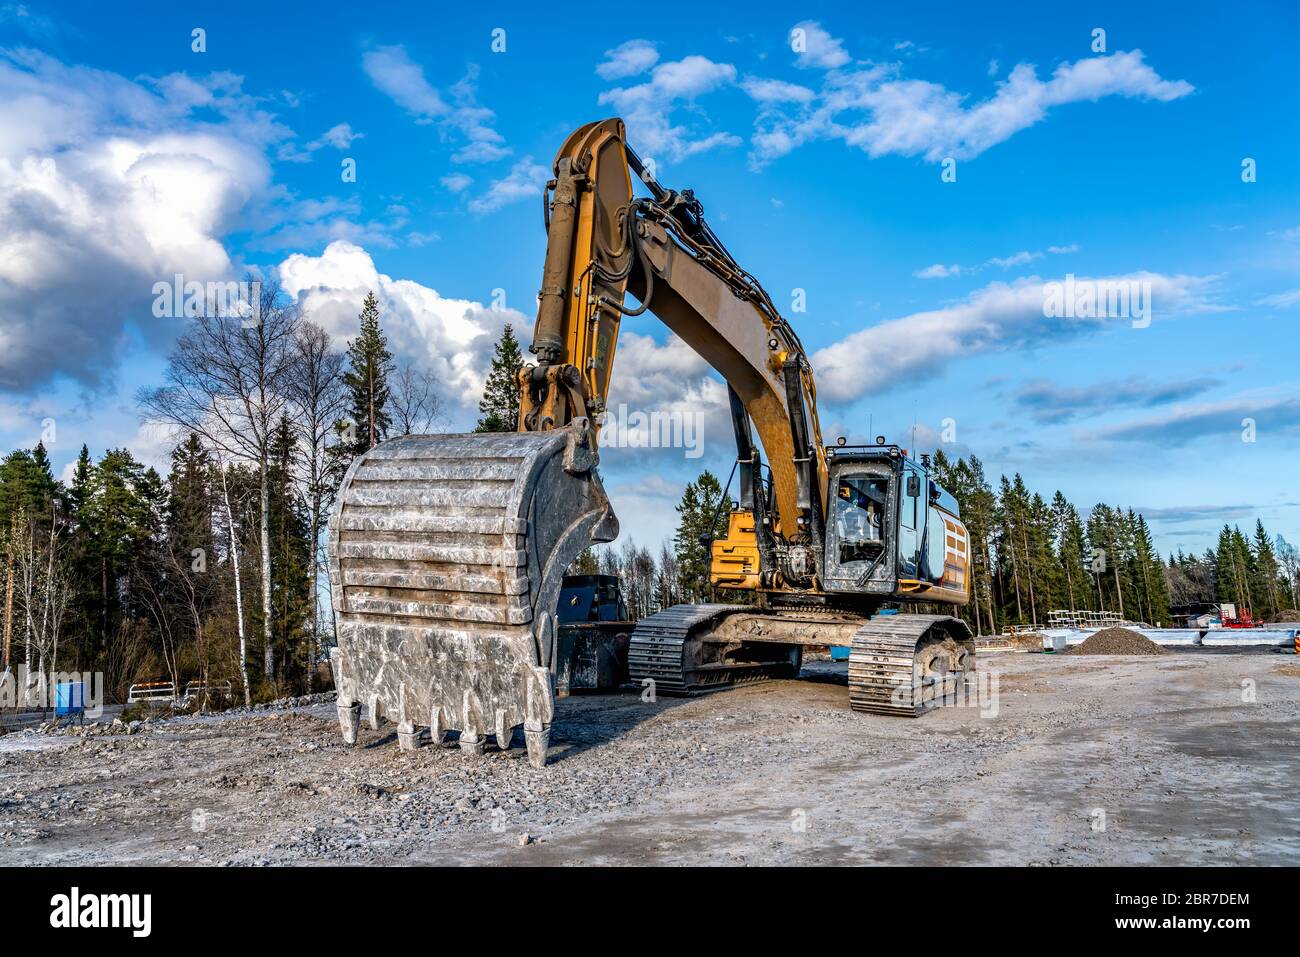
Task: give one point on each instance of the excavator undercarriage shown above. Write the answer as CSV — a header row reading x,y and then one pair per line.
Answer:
x,y
447,552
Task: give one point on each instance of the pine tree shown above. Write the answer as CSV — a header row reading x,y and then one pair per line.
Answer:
x,y
1070,547
1045,571
79,490
982,509
1011,519
1150,576
190,503
1232,571
698,509
369,363
291,558
1264,575
121,516
500,404
585,564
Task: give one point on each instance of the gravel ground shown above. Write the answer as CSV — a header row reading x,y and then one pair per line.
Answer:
x,y
1185,758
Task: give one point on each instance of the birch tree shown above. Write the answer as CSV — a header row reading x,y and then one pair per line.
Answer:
x,y
228,381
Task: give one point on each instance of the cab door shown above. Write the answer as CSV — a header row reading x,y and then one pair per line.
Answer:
x,y
911,521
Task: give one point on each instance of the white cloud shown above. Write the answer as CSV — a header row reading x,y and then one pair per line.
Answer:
x,y
1271,412
480,152
647,107
1015,259
776,91
456,182
941,271
474,122
452,337
627,59
819,48
525,181
108,185
996,317
876,111
307,223
1281,300
394,73
339,136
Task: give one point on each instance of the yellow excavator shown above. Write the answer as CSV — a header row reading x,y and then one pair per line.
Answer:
x,y
447,552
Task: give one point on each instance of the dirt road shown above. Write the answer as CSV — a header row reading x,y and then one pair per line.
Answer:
x,y
1184,758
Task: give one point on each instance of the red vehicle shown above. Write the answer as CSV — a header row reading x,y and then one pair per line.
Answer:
x,y
1244,620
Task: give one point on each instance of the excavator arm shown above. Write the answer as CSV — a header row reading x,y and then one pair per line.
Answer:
x,y
602,242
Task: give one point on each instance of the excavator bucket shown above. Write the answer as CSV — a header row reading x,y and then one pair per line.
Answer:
x,y
446,554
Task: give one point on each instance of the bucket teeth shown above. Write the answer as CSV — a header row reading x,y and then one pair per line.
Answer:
x,y
350,721
437,728
504,731
471,744
408,736
376,720
537,741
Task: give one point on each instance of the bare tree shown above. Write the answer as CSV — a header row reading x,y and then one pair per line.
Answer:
x,y
320,396
46,590
239,591
228,381
414,400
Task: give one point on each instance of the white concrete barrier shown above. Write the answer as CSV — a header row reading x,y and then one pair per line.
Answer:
x,y
1058,639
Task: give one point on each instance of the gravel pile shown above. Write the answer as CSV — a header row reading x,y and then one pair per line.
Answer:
x,y
65,727
285,704
1117,641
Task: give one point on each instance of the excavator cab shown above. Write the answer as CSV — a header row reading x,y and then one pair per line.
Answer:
x,y
891,530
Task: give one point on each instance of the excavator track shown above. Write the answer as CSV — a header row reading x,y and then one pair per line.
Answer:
x,y
672,649
904,665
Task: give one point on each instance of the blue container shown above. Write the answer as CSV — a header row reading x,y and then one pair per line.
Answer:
x,y
70,698
841,652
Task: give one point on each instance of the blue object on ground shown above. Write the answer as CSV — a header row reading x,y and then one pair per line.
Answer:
x,y
70,698
841,652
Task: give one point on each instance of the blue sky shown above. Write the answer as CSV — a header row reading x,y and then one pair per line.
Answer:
x,y
126,156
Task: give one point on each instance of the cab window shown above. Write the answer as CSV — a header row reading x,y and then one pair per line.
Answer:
x,y
860,517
